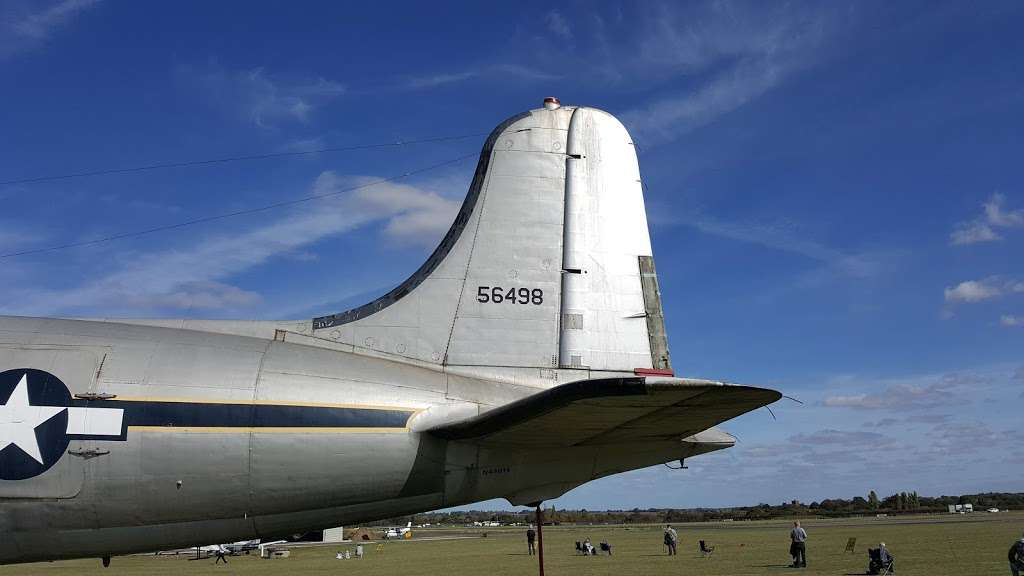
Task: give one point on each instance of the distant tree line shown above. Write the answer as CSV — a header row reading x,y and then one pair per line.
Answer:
x,y
899,503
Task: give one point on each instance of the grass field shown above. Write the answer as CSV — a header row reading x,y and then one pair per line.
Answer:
x,y
972,545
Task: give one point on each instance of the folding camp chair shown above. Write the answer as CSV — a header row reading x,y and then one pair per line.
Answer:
x,y
579,548
878,566
706,550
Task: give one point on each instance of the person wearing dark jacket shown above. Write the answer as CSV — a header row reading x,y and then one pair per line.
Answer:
x,y
531,535
1016,557
671,539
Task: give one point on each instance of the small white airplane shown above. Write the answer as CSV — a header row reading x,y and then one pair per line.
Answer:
x,y
395,532
229,549
241,546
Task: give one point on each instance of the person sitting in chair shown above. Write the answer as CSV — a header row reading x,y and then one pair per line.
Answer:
x,y
606,547
880,559
589,548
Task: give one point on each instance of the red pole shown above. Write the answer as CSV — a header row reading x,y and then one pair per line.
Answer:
x,y
540,539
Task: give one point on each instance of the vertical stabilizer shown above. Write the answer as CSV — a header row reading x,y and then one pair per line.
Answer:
x,y
548,263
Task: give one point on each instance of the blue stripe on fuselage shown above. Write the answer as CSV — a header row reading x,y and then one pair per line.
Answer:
x,y
218,415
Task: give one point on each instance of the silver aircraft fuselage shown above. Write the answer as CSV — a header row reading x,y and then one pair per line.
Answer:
x,y
197,464
525,357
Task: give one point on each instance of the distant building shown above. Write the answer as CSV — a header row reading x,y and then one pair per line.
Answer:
x,y
334,534
961,508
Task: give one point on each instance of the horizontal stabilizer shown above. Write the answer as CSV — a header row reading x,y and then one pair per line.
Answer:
x,y
610,411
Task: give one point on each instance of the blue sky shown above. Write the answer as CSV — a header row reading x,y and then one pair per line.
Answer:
x,y
835,191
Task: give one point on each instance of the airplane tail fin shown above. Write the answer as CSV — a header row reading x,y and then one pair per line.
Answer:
x,y
548,263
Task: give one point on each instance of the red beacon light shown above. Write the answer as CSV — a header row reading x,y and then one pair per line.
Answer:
x,y
552,103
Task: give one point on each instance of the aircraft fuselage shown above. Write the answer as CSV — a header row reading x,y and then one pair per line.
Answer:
x,y
225,437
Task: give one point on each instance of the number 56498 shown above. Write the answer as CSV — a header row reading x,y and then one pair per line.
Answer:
x,y
497,295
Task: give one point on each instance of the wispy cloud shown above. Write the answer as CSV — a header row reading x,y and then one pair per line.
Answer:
x,y
830,436
782,235
557,25
197,275
14,236
919,393
672,117
435,80
412,214
984,289
488,73
984,227
22,30
260,99
734,57
198,295
303,144
1011,321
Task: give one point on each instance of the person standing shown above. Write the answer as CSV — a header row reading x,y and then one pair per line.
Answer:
x,y
671,539
1016,557
531,536
798,545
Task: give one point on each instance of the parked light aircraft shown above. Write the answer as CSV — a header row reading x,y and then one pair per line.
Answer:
x,y
242,546
526,357
396,532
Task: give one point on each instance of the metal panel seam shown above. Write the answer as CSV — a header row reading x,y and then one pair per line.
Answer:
x,y
251,500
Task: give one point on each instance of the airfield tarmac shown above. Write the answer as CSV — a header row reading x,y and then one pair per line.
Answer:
x,y
970,545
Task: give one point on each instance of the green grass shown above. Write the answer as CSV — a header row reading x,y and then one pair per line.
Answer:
x,y
937,546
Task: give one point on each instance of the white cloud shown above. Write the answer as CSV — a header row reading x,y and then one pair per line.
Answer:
x,y
22,30
495,72
557,25
973,291
1011,321
996,216
672,117
303,145
841,438
982,229
14,237
196,275
920,393
197,295
984,289
413,214
783,235
435,80
259,98
755,50
971,233
505,72
855,401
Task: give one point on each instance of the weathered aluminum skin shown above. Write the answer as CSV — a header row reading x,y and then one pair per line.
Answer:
x,y
234,430
247,483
